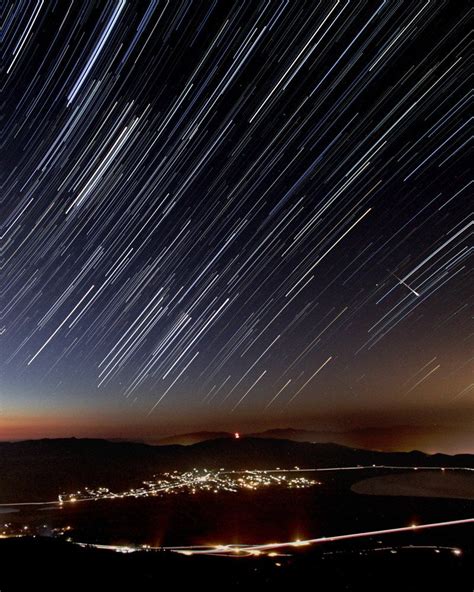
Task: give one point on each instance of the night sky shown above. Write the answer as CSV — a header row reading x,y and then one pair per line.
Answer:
x,y
234,214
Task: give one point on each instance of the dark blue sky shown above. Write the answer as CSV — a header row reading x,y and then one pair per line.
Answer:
x,y
222,213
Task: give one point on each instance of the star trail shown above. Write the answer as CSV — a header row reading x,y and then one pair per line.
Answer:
x,y
223,209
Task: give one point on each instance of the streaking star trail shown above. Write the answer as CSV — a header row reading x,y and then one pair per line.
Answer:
x,y
234,209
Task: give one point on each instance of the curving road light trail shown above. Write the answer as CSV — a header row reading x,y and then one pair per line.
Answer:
x,y
243,550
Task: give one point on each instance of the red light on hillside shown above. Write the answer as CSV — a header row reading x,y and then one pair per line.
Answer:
x,y
236,435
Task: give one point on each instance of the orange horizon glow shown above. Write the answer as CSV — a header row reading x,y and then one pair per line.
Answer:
x,y
429,439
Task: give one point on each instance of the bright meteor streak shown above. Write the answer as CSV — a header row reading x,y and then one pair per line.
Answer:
x,y
405,284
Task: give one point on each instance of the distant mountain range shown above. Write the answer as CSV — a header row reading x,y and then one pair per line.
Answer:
x,y
37,470
392,438
192,438
275,434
